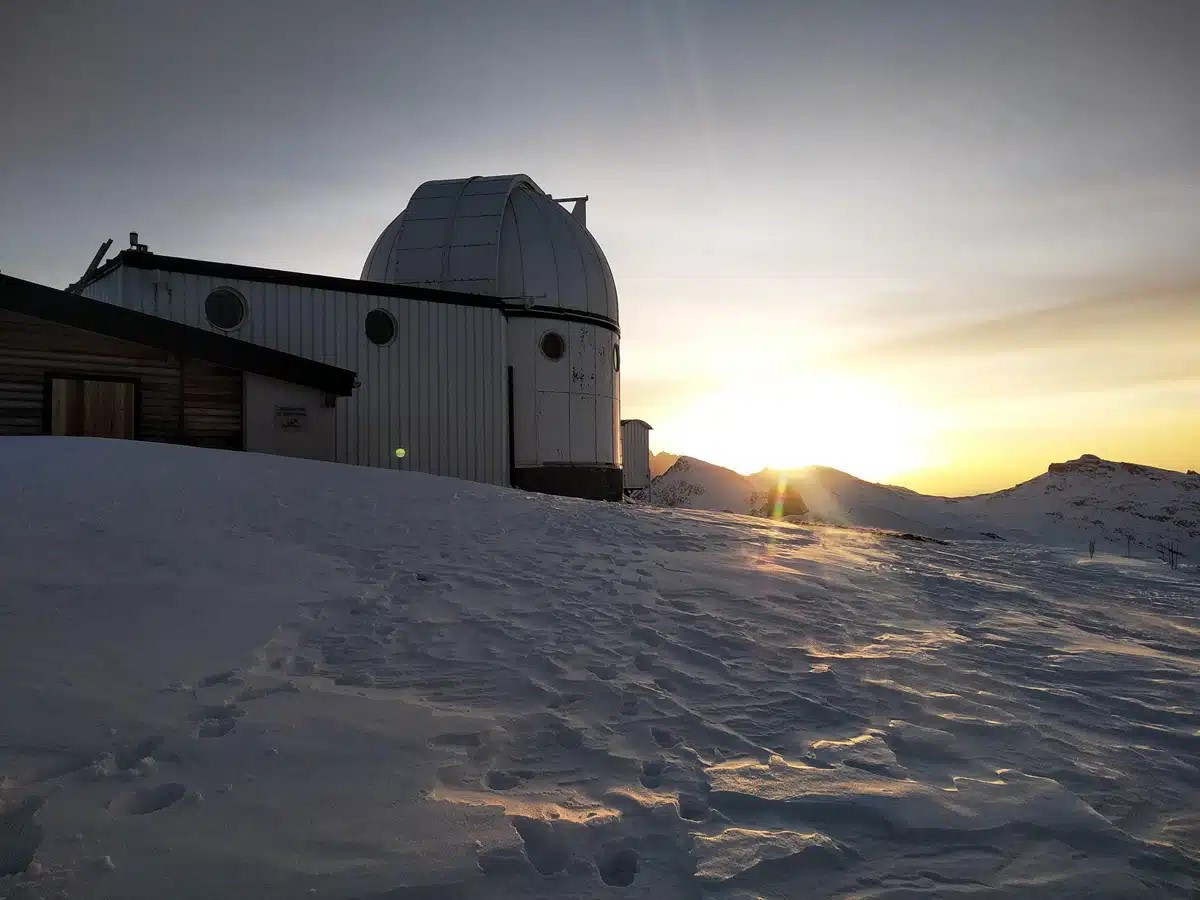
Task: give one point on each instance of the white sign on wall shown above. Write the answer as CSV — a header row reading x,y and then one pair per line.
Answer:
x,y
291,418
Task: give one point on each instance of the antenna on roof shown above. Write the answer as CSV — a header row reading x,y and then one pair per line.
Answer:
x,y
92,266
578,211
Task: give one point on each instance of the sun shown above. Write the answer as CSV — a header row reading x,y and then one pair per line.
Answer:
x,y
852,424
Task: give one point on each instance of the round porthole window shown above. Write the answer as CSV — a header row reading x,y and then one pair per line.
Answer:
x,y
553,345
380,327
617,357
225,308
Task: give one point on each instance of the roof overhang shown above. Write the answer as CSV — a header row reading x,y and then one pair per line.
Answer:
x,y
52,305
509,306
135,259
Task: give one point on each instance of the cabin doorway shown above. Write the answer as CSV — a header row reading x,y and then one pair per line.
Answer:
x,y
91,407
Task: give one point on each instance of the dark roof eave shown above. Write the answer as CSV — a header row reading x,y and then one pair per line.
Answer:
x,y
512,307
50,304
137,259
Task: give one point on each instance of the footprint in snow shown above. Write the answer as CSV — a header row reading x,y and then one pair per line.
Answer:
x,y
147,800
652,773
618,866
544,846
20,835
692,807
215,728
664,737
497,780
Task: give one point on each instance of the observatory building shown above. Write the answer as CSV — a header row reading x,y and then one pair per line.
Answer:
x,y
483,335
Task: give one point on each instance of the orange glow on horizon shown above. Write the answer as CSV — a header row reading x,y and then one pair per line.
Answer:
x,y
788,422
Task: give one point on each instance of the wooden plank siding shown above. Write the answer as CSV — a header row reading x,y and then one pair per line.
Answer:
x,y
195,402
212,405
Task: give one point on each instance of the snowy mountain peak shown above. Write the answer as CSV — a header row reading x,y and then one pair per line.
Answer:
x,y
692,483
1125,507
1090,464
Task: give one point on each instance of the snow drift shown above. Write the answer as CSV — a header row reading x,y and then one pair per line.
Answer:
x,y
228,675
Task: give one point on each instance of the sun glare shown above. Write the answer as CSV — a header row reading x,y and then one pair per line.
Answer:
x,y
820,419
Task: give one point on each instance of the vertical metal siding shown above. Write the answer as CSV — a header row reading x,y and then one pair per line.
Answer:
x,y
498,411
438,389
439,349
424,355
565,411
635,446
452,327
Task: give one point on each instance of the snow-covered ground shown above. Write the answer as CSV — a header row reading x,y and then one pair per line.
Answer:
x,y
1124,507
228,675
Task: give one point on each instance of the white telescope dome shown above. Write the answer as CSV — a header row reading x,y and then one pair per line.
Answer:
x,y
499,235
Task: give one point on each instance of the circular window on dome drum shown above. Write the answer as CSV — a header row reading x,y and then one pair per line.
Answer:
x,y
553,345
380,327
225,308
617,357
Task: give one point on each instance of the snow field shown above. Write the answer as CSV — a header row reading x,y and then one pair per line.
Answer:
x,y
233,675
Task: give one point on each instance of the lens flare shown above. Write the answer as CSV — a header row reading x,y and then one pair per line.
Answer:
x,y
780,493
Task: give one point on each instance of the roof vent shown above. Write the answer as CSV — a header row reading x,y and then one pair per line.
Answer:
x,y
134,245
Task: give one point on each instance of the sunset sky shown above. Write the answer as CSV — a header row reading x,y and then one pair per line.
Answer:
x,y
940,244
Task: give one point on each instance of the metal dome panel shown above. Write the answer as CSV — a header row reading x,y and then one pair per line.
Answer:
x,y
499,235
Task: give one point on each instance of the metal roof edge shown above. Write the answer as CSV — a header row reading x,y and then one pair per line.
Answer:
x,y
235,271
51,304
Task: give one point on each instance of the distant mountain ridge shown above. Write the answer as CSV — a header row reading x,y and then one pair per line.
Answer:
x,y
1122,506
692,483
660,462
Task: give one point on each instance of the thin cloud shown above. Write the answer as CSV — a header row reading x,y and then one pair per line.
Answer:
x,y
1151,312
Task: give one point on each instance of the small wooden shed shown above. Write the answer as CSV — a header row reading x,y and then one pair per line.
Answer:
x,y
70,365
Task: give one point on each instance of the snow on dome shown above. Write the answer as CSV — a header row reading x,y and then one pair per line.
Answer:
x,y
499,235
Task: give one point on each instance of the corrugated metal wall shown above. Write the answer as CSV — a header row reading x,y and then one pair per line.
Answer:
x,y
565,410
438,390
635,453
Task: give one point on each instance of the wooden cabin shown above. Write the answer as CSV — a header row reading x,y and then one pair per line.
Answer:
x,y
70,365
